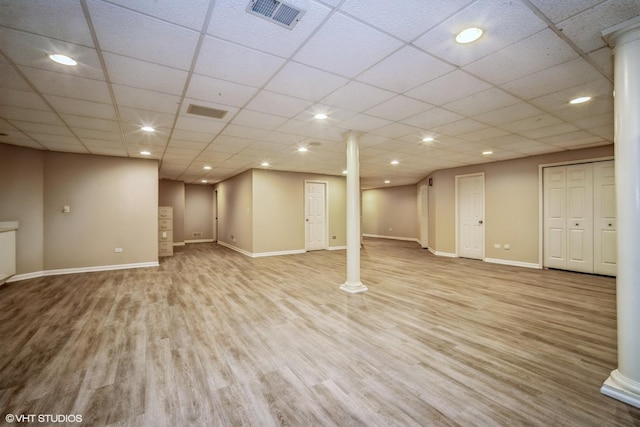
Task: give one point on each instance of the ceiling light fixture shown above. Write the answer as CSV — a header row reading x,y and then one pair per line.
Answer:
x,y
386,181
204,181
469,35
147,129
303,149
145,153
427,139
486,153
265,164
63,59
207,168
344,172
580,100
320,116
395,162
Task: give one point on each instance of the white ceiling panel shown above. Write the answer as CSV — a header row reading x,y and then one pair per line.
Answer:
x,y
12,114
219,91
146,117
406,22
514,112
363,123
395,130
405,69
200,124
450,87
81,108
154,39
80,122
275,103
535,122
94,134
239,131
52,83
188,13
460,127
537,52
431,118
23,99
60,20
145,99
504,22
305,82
558,11
399,108
357,97
239,65
354,39
258,120
481,102
9,78
144,75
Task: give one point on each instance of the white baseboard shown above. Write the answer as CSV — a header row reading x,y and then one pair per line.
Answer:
x,y
336,248
178,243
278,253
513,263
234,248
379,236
199,241
445,254
92,269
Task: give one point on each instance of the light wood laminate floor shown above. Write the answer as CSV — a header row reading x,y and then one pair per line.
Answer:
x,y
213,337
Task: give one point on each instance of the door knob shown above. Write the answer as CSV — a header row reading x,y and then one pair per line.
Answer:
x,y
480,222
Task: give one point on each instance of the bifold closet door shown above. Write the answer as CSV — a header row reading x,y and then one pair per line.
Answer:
x,y
604,212
580,218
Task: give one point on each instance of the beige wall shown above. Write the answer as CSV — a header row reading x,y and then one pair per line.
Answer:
x,y
235,211
172,193
511,204
198,211
21,199
114,203
391,212
279,210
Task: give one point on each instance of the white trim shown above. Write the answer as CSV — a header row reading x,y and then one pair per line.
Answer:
x,y
336,248
457,211
234,248
445,254
513,263
379,236
178,243
622,388
199,241
326,212
92,269
278,253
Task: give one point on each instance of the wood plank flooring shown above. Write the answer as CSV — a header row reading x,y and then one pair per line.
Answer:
x,y
215,338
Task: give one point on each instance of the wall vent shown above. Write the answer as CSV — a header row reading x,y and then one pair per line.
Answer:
x,y
206,111
278,12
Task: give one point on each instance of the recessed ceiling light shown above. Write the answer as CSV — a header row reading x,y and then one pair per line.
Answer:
x,y
395,162
427,139
62,59
344,172
145,153
303,149
320,116
265,164
147,129
207,168
469,35
204,181
486,153
580,100
386,181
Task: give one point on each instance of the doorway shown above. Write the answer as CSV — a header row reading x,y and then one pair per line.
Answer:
x,y
470,216
315,215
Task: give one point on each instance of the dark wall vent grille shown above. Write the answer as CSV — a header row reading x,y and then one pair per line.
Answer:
x,y
206,111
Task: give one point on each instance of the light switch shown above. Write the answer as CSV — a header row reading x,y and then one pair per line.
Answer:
x,y
66,209
164,234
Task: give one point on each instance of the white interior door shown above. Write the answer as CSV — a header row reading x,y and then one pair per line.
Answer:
x,y
471,216
580,217
424,215
555,217
315,215
604,214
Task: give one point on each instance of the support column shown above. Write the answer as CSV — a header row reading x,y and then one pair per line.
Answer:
x,y
353,284
624,383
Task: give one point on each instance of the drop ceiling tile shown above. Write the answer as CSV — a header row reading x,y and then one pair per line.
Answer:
x,y
144,75
231,21
395,130
188,13
579,27
559,129
460,127
145,99
28,115
258,120
601,89
48,136
239,65
603,58
219,91
305,82
530,123
22,99
431,118
81,108
90,123
450,87
354,39
405,69
559,77
146,117
32,50
10,79
190,135
483,134
181,144
406,22
605,132
66,148
238,131
539,149
102,135
398,108
62,20
363,123
605,119
504,22
482,102
357,97
558,11
572,139
514,112
153,38
537,52
102,150
201,125
52,83
593,108
280,105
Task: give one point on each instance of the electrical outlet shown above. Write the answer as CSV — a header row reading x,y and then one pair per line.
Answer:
x,y
333,237
507,246
118,250
496,245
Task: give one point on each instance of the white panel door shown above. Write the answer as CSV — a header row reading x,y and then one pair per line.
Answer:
x,y
580,218
424,215
315,216
555,217
604,219
470,216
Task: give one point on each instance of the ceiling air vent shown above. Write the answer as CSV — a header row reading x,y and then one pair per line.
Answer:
x,y
206,111
278,12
